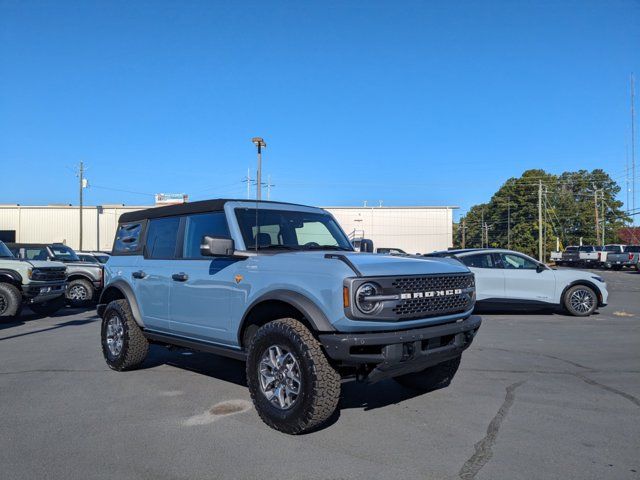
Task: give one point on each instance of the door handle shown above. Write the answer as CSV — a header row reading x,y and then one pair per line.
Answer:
x,y
180,277
138,274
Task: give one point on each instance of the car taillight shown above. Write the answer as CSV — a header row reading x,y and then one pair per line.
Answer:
x,y
631,256
599,256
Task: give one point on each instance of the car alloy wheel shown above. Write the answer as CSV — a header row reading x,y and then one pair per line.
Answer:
x,y
115,335
582,301
77,293
4,304
279,377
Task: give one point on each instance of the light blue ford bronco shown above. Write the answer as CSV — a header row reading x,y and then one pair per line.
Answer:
x,y
279,286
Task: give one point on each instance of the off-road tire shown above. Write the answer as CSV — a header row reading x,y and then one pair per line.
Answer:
x,y
80,283
320,391
135,345
566,301
433,378
10,301
49,307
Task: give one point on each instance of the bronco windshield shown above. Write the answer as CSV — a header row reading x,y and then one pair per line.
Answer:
x,y
63,253
290,230
4,251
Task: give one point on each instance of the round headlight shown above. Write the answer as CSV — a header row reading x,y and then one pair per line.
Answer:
x,y
367,290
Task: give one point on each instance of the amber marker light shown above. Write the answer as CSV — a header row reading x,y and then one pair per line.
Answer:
x,y
345,296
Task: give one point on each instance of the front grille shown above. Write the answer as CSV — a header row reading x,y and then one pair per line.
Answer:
x,y
434,282
442,300
49,274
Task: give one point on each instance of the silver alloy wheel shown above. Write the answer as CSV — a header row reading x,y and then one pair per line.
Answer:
x,y
78,293
582,301
4,304
279,376
115,335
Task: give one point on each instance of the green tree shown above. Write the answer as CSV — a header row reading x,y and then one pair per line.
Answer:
x,y
568,206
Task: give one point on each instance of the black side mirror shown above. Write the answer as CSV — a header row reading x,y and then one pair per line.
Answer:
x,y
217,246
540,268
366,245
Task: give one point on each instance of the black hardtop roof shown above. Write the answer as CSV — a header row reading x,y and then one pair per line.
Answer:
x,y
201,206
26,244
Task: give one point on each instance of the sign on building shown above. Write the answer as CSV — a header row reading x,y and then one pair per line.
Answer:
x,y
171,198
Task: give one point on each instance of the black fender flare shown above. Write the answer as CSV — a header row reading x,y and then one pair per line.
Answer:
x,y
307,307
11,274
586,283
125,291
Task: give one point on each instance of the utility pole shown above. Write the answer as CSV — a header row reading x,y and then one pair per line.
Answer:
x,y
269,185
540,220
509,223
259,142
595,199
602,215
464,231
633,146
248,180
81,184
482,230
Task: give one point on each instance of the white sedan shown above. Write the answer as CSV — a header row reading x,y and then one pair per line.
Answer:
x,y
509,279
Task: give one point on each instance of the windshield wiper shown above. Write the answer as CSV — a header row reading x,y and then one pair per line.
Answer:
x,y
328,247
275,247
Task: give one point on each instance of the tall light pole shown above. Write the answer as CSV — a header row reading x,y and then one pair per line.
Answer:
x,y
259,142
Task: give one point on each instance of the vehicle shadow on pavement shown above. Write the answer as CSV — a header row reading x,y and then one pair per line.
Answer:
x,y
214,366
373,396
32,317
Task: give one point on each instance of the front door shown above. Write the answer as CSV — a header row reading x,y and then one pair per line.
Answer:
x,y
523,280
203,289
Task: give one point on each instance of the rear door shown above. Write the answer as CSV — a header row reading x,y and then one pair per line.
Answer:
x,y
152,278
203,289
489,275
523,281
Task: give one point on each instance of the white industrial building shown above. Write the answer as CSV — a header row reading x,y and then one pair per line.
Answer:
x,y
412,229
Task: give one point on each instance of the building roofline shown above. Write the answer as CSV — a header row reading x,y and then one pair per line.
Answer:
x,y
385,207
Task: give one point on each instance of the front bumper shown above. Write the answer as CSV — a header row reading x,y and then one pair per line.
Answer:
x,y
403,351
38,292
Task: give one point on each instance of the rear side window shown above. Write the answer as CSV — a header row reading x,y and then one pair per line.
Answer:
x,y
127,238
162,237
484,260
197,226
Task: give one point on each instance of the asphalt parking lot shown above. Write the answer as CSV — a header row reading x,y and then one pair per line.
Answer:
x,y
537,396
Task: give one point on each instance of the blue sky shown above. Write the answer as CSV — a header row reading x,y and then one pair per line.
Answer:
x,y
412,103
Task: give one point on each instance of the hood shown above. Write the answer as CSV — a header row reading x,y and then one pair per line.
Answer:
x,y
371,264
572,275
44,263
82,264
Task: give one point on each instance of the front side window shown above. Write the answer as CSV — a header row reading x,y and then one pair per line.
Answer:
x,y
4,251
127,238
62,253
162,237
197,226
290,230
517,262
483,260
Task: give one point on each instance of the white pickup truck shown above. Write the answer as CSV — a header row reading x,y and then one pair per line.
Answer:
x,y
589,255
